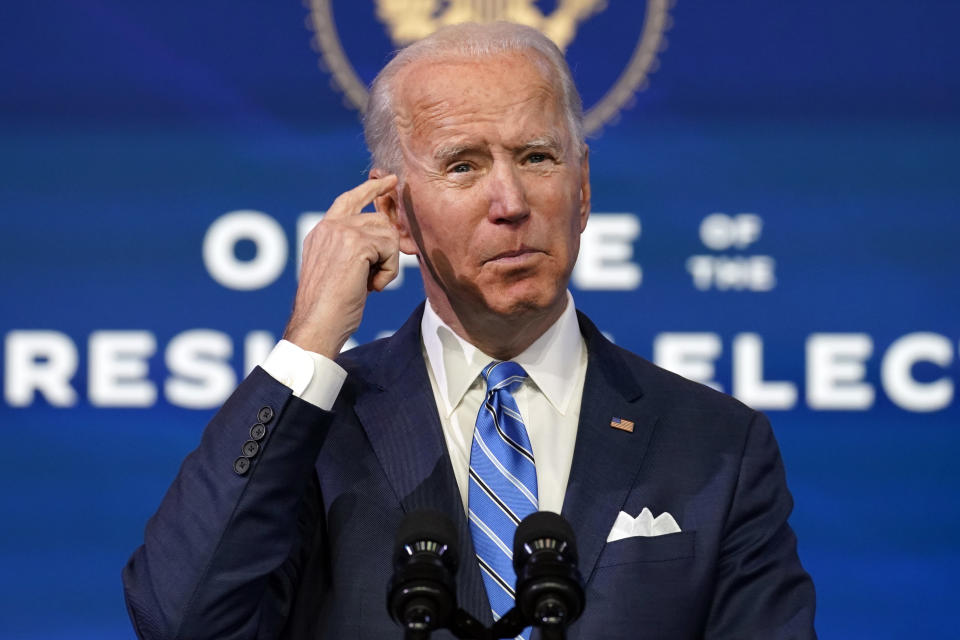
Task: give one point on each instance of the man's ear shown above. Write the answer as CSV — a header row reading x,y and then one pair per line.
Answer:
x,y
390,204
387,203
584,188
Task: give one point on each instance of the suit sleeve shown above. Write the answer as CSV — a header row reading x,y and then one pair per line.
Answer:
x,y
762,591
221,556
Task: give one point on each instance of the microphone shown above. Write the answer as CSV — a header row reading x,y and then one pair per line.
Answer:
x,y
421,595
549,590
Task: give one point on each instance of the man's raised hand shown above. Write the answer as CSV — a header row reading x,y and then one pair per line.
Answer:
x,y
347,255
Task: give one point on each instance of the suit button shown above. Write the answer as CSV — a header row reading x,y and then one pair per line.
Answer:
x,y
241,465
265,415
257,431
250,448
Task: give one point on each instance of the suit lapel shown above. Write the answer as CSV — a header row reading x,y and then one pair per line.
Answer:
x,y
399,415
606,460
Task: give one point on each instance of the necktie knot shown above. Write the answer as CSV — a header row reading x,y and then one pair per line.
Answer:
x,y
503,375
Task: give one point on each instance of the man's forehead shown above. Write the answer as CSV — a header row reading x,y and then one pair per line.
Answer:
x,y
430,68
449,98
460,81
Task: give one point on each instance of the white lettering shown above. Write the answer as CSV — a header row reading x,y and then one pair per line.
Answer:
x,y
118,368
606,248
245,275
720,232
39,361
835,371
202,376
897,378
738,273
748,383
690,355
915,370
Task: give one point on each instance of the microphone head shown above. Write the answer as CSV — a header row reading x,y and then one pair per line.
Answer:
x,y
421,594
543,530
549,590
418,528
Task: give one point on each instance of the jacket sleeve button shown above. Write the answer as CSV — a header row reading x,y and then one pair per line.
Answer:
x,y
265,415
258,431
250,448
241,465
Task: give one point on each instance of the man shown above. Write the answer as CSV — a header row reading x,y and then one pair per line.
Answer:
x,y
482,173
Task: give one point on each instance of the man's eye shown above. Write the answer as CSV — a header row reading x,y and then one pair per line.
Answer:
x,y
537,158
461,168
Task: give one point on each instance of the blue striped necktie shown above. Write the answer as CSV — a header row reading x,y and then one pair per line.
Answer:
x,y
503,482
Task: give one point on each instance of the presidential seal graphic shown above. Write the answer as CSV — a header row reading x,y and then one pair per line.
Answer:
x,y
611,45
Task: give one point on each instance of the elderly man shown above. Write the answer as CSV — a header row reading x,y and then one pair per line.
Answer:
x,y
494,400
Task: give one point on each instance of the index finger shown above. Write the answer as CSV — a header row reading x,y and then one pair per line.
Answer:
x,y
352,202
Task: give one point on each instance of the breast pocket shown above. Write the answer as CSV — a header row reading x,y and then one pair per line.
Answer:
x,y
672,546
645,587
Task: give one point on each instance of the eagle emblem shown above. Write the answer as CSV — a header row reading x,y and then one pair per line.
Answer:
x,y
410,20
406,21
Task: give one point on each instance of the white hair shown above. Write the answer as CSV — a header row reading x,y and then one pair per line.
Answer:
x,y
467,40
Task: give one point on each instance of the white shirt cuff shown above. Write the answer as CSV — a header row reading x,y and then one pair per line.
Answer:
x,y
311,376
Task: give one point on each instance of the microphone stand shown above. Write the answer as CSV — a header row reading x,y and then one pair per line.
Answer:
x,y
509,625
466,627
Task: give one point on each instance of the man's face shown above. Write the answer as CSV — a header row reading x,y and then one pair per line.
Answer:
x,y
494,195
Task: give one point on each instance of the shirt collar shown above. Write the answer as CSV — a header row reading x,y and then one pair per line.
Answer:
x,y
456,364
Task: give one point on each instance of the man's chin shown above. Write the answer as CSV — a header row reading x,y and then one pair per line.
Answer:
x,y
517,305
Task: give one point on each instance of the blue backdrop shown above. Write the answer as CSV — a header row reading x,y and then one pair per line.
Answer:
x,y
776,213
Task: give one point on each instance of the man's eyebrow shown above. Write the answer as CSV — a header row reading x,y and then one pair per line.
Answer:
x,y
452,151
548,141
448,152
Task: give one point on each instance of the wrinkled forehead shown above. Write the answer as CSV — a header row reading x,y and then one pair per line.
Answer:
x,y
442,96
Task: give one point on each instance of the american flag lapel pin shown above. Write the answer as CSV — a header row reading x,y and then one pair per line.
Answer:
x,y
622,423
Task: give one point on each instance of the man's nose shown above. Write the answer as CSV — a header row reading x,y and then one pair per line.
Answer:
x,y
508,198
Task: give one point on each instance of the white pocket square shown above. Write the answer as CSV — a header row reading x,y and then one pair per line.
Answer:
x,y
644,524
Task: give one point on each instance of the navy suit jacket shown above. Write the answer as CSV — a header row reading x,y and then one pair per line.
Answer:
x,y
299,546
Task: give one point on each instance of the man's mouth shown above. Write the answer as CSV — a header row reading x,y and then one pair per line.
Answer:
x,y
515,256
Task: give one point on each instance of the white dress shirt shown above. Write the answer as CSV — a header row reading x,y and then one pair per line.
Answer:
x,y
549,399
